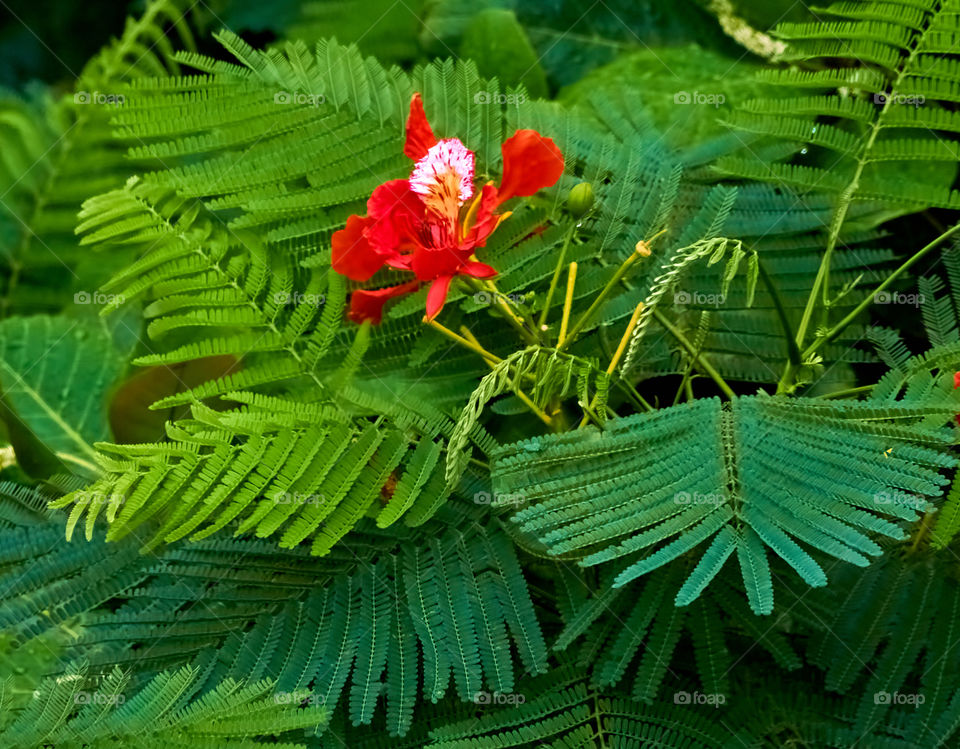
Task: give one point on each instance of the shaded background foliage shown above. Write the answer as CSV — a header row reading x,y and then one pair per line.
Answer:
x,y
285,528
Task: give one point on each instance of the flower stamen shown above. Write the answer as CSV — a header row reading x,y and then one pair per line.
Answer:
x,y
444,178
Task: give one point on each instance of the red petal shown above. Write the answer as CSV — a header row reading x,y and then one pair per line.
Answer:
x,y
420,137
530,163
400,262
352,254
393,196
479,270
398,212
437,295
485,221
956,384
367,304
431,264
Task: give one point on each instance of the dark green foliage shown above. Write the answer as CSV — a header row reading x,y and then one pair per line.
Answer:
x,y
398,626
891,103
753,478
57,151
62,713
637,640
698,490
45,362
891,647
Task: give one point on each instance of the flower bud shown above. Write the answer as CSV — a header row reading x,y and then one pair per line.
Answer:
x,y
580,199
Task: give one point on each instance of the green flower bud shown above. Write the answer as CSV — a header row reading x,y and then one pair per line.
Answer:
x,y
580,199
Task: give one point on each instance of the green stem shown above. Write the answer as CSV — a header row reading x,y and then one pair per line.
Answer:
x,y
793,350
589,413
786,380
556,277
821,284
503,302
849,391
632,394
697,357
837,329
599,299
493,359
684,382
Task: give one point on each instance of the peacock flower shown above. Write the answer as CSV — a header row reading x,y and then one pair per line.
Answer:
x,y
956,384
431,223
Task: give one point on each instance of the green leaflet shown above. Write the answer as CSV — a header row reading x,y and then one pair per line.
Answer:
x,y
947,522
554,373
419,470
72,712
711,248
723,545
637,641
314,474
791,474
374,636
221,284
563,710
755,568
59,149
892,631
333,630
883,119
56,374
321,563
34,594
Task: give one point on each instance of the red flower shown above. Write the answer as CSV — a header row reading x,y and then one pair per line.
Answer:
x,y
431,223
956,384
